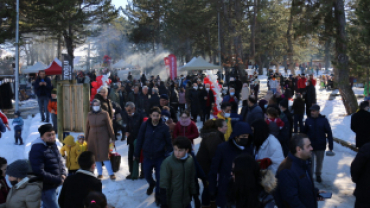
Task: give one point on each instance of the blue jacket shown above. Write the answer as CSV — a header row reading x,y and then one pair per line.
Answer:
x,y
221,165
154,141
226,98
295,184
2,126
46,162
316,129
235,118
43,90
18,124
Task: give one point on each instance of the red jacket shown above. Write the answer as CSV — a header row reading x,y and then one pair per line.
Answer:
x,y
313,81
302,83
4,118
191,132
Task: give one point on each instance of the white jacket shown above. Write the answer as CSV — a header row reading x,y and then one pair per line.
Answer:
x,y
273,83
272,149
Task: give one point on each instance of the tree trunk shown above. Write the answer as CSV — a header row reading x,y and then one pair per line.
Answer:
x,y
290,42
188,52
348,97
327,53
253,32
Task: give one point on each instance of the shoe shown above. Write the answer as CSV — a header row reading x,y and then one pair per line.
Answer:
x,y
157,199
149,191
318,179
21,144
112,177
100,177
47,121
141,175
16,143
42,120
129,176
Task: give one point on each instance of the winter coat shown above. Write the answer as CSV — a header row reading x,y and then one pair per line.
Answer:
x,y
144,103
310,95
194,99
163,90
106,105
271,148
155,141
174,99
360,172
245,93
209,95
76,188
2,127
135,98
273,84
133,124
114,96
221,166
360,125
295,184
298,106
316,129
284,134
191,132
46,162
301,83
178,178
52,105
229,125
207,148
71,153
255,112
25,194
82,147
18,123
182,99
290,120
154,101
43,90
3,118
4,190
99,130
227,98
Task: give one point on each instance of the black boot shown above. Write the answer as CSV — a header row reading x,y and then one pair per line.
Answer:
x,y
157,199
149,191
141,175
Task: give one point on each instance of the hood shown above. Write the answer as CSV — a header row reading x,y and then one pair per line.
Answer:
x,y
268,180
69,140
240,128
99,97
38,141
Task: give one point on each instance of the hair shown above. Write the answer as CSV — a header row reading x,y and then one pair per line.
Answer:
x,y
103,88
155,109
220,123
130,104
252,99
246,187
182,143
3,161
86,160
297,141
272,112
186,112
42,71
155,90
364,104
234,107
224,105
261,133
209,125
145,87
95,200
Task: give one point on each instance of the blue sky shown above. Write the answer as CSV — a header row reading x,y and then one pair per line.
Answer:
x,y
119,3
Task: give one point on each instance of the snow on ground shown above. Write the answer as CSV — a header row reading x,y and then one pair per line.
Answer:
x,y
27,103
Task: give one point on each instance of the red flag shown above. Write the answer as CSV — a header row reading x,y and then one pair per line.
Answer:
x,y
173,66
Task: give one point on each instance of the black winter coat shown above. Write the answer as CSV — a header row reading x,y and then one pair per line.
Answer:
x,y
174,99
76,188
298,106
132,126
194,99
316,129
360,125
145,104
310,95
360,172
43,90
154,101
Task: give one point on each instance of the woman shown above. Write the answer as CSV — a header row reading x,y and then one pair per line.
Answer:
x,y
266,145
182,100
186,127
99,131
4,188
106,104
249,186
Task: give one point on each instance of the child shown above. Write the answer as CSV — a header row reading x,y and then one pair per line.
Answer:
x,y
4,123
81,143
178,191
274,122
70,151
52,108
18,126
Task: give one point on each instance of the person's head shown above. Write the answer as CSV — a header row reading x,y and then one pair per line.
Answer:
x,y
3,166
118,84
81,138
181,146
54,93
207,86
283,105
232,91
221,125
42,74
300,146
86,161
251,100
209,125
241,132
298,95
95,105
163,100
130,108
315,111
47,134
226,109
272,113
155,91
364,105
95,200
103,91
17,114
145,90
136,89
17,170
195,86
184,115
261,132
155,114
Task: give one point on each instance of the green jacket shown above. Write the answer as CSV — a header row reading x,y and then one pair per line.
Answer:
x,y
114,96
366,90
178,178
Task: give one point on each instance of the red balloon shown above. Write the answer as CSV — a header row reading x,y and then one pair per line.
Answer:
x,y
94,84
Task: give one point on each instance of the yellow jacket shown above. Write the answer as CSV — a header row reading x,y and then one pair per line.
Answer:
x,y
83,147
71,150
229,127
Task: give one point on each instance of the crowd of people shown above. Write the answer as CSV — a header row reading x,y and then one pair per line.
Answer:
x,y
262,155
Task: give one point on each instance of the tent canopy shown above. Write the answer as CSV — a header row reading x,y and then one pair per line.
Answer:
x,y
35,68
199,64
122,64
55,68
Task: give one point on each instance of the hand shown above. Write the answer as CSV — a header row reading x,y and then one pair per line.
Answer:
x,y
7,126
52,111
319,198
127,134
63,178
41,83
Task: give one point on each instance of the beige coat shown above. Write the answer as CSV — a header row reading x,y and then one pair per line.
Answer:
x,y
99,130
25,195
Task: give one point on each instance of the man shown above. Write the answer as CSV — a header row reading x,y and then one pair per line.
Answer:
x,y
302,84
225,114
313,81
155,141
154,99
310,97
360,124
231,97
135,97
255,111
43,91
46,163
238,87
144,101
163,101
133,120
76,187
296,187
194,100
114,94
317,127
283,105
207,101
360,172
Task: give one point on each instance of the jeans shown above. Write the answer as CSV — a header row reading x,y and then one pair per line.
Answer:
x,y
319,157
54,120
148,166
108,166
298,119
18,136
49,198
43,107
273,90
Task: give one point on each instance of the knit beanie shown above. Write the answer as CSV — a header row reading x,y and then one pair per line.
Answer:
x,y
241,128
166,113
18,169
45,128
54,91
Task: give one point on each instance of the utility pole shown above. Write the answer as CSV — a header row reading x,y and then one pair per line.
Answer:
x,y
16,71
219,40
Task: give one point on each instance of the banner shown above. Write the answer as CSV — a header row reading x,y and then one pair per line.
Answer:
x,y
173,66
167,64
66,66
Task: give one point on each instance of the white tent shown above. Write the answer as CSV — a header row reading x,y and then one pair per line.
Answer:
x,y
122,64
35,68
199,64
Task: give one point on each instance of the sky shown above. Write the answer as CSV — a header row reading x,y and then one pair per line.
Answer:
x,y
119,3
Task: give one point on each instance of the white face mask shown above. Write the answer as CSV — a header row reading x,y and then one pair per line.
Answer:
x,y
207,89
200,87
96,108
227,115
165,118
195,88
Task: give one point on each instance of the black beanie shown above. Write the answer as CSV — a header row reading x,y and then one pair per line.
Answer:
x,y
284,103
45,128
18,169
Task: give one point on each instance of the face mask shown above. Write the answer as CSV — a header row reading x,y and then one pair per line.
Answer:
x,y
200,87
243,141
195,88
227,115
265,106
49,143
13,183
207,89
232,93
165,118
96,108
